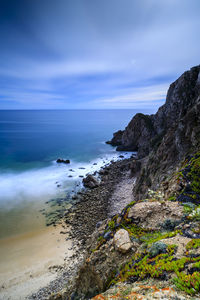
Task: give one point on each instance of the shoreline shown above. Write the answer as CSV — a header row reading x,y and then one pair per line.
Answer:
x,y
63,245
83,218
20,275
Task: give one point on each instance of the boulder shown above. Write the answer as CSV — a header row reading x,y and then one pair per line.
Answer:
x,y
122,241
157,248
152,215
64,161
90,182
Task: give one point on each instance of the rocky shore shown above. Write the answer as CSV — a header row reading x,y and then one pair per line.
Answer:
x,y
92,207
137,231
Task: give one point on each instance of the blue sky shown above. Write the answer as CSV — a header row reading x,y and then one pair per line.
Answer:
x,y
91,54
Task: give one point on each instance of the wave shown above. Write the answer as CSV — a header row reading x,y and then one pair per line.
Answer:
x,y
47,182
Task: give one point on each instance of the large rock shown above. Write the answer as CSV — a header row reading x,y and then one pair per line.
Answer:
x,y
136,136
90,182
64,161
117,138
153,215
122,241
145,133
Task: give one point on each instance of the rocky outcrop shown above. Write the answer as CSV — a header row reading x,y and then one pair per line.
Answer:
x,y
117,138
152,214
90,182
64,161
145,133
156,252
165,139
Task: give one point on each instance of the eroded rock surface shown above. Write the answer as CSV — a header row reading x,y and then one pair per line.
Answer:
x,y
90,182
145,132
153,214
122,241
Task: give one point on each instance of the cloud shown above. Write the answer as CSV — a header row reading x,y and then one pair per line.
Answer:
x,y
78,53
141,97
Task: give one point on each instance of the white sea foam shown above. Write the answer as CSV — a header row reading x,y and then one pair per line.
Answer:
x,y
45,183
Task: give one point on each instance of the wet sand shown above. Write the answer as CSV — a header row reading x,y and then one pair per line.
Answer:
x,y
26,261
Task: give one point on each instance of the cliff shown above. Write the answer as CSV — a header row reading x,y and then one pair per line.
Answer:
x,y
165,139
151,249
146,132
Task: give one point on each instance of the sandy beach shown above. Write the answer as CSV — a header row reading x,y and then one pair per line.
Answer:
x,y
29,261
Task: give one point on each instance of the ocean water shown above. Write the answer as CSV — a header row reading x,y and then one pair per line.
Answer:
x,y
30,143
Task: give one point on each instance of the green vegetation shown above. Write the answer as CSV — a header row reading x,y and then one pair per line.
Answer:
x,y
194,173
111,225
193,244
172,198
189,176
188,283
157,236
141,267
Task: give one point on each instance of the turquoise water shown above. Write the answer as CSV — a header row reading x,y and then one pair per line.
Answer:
x,y
30,143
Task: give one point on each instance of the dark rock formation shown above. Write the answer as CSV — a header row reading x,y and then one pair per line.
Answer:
x,y
145,133
64,161
90,182
117,138
166,138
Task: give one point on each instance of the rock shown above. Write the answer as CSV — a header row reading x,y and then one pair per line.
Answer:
x,y
144,132
122,241
157,248
153,214
64,161
117,138
90,182
107,235
167,137
135,167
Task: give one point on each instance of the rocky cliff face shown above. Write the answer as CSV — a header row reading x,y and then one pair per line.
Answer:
x,y
144,133
165,139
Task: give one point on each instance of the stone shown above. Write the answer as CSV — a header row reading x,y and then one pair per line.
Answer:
x,y
157,248
152,215
116,140
122,241
64,161
135,167
90,182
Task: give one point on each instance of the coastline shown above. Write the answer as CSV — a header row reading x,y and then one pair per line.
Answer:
x,y
20,275
55,252
91,209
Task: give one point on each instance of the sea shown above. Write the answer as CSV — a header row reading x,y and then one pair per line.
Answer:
x,y
30,143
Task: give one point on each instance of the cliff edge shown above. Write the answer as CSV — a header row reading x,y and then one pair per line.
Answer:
x,y
146,132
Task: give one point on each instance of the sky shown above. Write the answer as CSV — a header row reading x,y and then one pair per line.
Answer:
x,y
91,54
